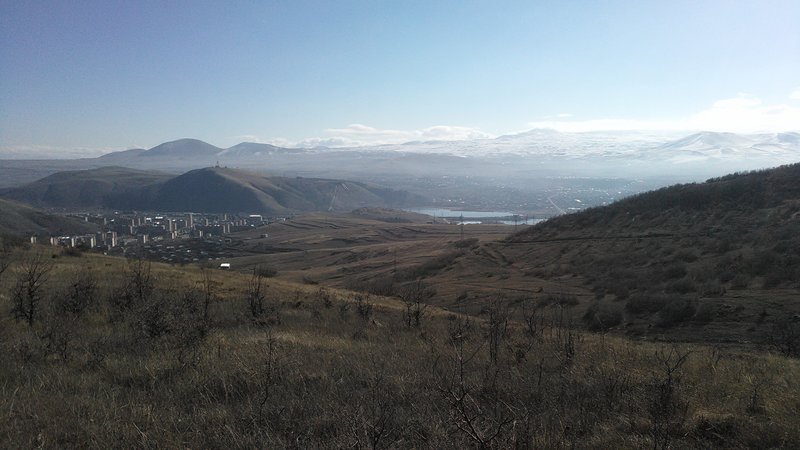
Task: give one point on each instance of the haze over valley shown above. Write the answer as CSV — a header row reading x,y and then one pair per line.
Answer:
x,y
390,225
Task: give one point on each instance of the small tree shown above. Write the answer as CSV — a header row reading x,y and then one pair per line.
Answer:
x,y
26,293
497,321
255,294
80,295
5,259
209,291
415,295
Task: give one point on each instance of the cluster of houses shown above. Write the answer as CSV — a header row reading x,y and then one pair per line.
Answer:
x,y
120,230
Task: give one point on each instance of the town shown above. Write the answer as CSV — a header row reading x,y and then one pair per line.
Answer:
x,y
167,237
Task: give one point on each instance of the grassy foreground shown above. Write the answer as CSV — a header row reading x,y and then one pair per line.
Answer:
x,y
123,354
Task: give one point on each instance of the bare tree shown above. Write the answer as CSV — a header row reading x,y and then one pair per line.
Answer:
x,y
496,326
415,295
667,411
209,287
482,420
26,293
5,259
255,294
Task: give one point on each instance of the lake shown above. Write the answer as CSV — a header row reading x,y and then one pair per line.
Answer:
x,y
496,216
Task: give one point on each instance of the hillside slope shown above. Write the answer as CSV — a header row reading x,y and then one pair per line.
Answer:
x,y
17,219
94,188
229,190
713,259
212,189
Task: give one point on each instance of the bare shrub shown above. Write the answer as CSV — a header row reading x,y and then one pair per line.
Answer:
x,y
482,419
80,295
27,291
667,409
363,307
256,295
496,330
138,288
414,296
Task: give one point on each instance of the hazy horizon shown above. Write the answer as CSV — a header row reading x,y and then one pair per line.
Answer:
x,y
92,77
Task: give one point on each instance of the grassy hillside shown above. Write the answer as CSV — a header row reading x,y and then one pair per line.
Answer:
x,y
220,189
204,190
107,187
724,250
709,262
123,354
17,219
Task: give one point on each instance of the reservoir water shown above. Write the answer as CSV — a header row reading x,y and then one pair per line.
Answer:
x,y
471,216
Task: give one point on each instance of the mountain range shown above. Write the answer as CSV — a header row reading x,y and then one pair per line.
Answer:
x,y
211,189
621,154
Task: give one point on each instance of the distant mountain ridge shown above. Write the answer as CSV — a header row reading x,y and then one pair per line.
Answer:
x,y
524,158
211,189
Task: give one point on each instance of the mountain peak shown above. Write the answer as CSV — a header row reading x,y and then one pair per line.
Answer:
x,y
183,148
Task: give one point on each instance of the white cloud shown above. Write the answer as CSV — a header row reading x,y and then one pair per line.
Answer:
x,y
795,95
743,114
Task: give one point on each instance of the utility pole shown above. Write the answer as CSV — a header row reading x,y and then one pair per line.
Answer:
x,y
462,226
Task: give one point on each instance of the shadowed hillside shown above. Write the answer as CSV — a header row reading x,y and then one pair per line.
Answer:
x,y
695,260
16,219
204,190
94,188
221,189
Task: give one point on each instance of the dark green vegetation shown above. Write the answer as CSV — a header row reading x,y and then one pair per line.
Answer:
x,y
125,354
722,250
17,219
203,190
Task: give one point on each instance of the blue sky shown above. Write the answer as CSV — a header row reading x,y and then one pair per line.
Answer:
x,y
106,75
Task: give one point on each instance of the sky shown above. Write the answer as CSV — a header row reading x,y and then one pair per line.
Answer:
x,y
88,77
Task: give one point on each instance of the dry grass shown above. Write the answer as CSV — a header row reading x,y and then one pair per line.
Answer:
x,y
327,375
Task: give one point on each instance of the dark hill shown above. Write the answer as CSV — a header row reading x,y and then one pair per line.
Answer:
x,y
230,190
17,219
95,188
203,190
715,260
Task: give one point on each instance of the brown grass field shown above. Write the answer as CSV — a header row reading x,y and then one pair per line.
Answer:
x,y
273,363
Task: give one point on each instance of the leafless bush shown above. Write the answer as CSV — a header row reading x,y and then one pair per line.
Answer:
x,y
667,409
27,291
414,296
138,288
270,372
256,295
209,287
81,294
496,330
482,419
534,322
325,297
363,307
